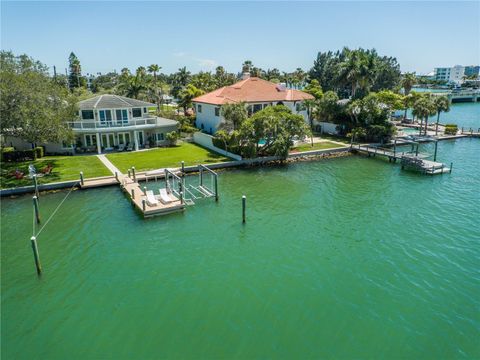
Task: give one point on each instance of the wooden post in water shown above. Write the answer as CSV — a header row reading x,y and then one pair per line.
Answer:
x,y
116,176
435,153
129,175
201,177
244,205
416,151
133,173
216,188
81,178
144,204
33,240
183,168
37,212
133,194
35,183
144,190
451,167
394,149
181,197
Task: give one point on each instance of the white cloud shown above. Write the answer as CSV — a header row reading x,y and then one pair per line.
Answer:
x,y
207,63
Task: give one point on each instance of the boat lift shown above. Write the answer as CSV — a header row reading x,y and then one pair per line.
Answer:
x,y
188,193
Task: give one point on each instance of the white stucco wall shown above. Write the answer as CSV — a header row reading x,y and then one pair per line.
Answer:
x,y
205,140
207,118
211,122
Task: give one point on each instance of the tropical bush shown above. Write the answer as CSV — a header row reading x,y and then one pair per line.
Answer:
x,y
172,138
451,129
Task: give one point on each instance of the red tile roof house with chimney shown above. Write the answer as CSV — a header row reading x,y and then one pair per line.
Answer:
x,y
255,92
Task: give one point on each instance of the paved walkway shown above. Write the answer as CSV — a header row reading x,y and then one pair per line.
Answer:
x,y
113,169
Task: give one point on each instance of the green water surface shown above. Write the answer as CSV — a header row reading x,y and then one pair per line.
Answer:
x,y
341,258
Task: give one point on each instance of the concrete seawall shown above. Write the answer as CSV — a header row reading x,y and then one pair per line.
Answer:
x,y
188,169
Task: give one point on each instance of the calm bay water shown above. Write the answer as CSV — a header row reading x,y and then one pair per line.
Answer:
x,y
340,258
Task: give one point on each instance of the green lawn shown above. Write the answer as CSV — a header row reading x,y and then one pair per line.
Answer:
x,y
165,157
316,146
336,138
64,168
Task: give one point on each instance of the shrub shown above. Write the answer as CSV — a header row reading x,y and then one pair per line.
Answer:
x,y
20,155
6,150
451,129
39,151
172,137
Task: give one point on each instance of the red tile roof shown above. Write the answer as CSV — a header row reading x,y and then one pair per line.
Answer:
x,y
252,90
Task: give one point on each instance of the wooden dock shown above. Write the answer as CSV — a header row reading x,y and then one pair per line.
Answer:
x,y
409,160
99,182
136,195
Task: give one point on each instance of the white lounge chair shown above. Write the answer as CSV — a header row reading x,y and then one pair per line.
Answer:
x,y
165,196
151,200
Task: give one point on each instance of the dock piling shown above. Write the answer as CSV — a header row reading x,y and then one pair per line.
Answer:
x,y
116,175
133,194
435,153
183,168
129,174
216,188
244,206
451,167
144,190
33,240
144,204
133,173
81,178
35,183
37,212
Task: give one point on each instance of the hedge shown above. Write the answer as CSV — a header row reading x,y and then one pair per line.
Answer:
x,y
39,151
451,129
5,150
19,155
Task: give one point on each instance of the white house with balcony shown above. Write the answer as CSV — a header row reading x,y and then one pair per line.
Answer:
x,y
109,123
112,122
256,93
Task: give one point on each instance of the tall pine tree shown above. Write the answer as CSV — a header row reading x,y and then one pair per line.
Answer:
x,y
75,79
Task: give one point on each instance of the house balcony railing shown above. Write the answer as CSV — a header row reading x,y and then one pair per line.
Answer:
x,y
95,124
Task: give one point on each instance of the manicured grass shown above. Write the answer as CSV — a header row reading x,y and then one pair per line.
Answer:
x,y
64,168
165,157
316,146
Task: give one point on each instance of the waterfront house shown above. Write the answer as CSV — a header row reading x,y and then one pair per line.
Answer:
x,y
256,93
110,123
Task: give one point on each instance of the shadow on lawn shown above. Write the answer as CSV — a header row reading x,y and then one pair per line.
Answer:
x,y
8,169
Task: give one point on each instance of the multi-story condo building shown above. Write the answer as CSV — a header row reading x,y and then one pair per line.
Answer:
x,y
456,74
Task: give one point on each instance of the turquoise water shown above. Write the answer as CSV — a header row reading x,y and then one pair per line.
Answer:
x,y
341,258
462,114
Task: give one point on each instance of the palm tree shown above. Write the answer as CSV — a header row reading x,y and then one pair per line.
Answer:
x,y
234,114
186,96
423,108
246,66
442,104
350,71
408,80
154,69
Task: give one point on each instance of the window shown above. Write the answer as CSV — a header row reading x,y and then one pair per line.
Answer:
x,y
90,140
144,110
199,108
298,107
257,107
160,137
105,116
136,112
122,116
87,115
217,111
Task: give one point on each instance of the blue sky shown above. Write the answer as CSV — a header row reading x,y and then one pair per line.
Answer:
x,y
201,35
